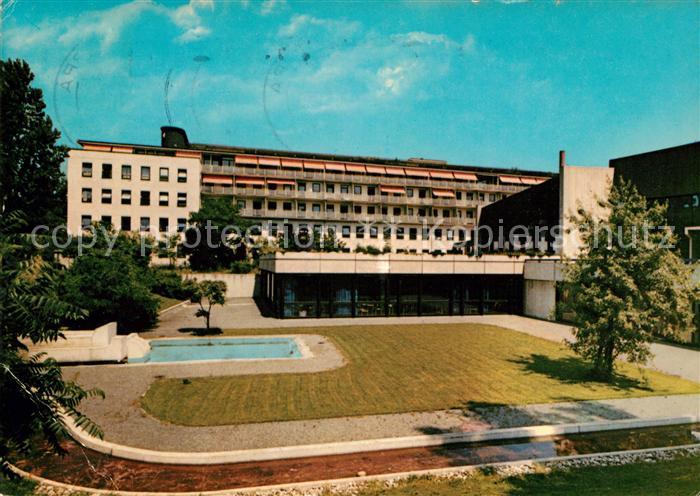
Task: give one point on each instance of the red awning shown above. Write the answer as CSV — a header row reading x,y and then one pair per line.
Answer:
x,y
275,162
254,181
284,182
435,174
228,180
416,172
443,193
394,190
510,179
316,166
395,171
355,168
335,167
375,169
465,176
247,159
532,180
291,163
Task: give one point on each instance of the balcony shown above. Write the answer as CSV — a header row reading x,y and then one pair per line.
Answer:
x,y
357,178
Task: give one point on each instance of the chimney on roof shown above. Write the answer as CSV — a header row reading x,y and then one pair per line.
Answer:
x,y
562,159
173,137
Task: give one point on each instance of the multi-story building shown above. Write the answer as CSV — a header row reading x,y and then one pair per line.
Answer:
x,y
412,205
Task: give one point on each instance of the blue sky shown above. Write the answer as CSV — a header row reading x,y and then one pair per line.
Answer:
x,y
504,84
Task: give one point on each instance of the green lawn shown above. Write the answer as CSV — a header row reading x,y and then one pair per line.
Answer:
x,y
402,368
679,477
165,302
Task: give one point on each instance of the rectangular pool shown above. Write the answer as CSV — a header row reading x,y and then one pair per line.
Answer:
x,y
189,350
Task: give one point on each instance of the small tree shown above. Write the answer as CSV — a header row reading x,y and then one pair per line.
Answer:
x,y
627,285
214,292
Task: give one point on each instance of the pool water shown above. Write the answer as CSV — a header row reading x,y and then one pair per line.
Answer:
x,y
189,350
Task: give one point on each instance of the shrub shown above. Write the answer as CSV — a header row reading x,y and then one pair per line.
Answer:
x,y
169,283
242,267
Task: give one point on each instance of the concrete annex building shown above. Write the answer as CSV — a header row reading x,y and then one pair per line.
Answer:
x,y
153,189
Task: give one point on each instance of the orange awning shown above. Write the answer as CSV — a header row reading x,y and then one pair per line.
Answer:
x,y
443,193
335,167
510,179
532,180
395,171
285,182
375,169
316,166
465,176
250,180
228,180
355,168
416,172
275,162
291,163
435,174
394,190
247,159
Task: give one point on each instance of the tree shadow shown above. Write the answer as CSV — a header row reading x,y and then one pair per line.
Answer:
x,y
200,331
573,370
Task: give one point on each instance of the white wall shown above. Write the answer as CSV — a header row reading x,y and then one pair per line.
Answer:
x,y
237,285
539,299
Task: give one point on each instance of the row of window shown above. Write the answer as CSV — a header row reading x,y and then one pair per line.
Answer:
x,y
411,233
356,209
144,223
358,189
163,172
144,200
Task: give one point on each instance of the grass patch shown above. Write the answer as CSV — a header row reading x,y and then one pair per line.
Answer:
x,y
16,486
403,368
164,302
679,477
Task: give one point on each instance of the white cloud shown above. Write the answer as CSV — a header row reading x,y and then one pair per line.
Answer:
x,y
301,23
268,6
421,38
187,18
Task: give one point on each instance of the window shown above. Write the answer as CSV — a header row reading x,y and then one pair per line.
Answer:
x,y
330,188
438,233
409,211
359,231
316,207
182,175
85,221
87,195
287,206
330,207
145,224
397,210
126,197
272,205
370,209
163,199
257,204
106,196
163,224
274,229
126,223
182,200
126,172
87,169
106,219
241,204
357,209
181,223
470,196
421,212
446,213
459,195
164,174
421,193
316,187
346,231
481,197
301,186
371,190
227,161
470,214
413,233
373,232
384,210
302,207
357,189
409,192
106,171
145,173
492,197
344,209
345,188
399,233
450,234
145,198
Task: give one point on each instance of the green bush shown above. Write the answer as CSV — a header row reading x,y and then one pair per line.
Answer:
x,y
242,267
169,283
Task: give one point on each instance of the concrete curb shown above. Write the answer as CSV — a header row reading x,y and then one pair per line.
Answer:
x,y
341,448
177,305
350,481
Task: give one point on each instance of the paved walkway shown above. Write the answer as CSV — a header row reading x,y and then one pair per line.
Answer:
x,y
125,423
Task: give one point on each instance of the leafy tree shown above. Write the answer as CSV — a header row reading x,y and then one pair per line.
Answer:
x,y
207,294
112,281
30,160
627,286
33,392
204,246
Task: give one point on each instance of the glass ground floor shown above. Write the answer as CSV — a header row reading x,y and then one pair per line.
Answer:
x,y
383,295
